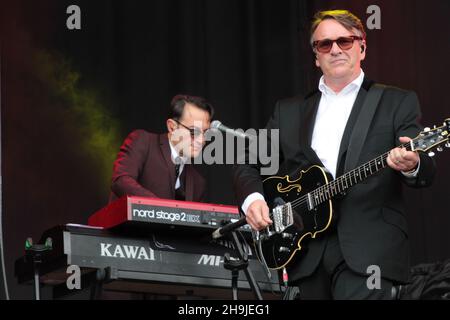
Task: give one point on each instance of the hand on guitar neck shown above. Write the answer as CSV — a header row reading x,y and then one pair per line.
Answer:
x,y
402,160
258,215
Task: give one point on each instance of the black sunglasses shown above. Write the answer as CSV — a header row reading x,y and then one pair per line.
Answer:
x,y
195,132
345,43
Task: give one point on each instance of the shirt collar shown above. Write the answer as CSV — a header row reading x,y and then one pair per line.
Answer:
x,y
176,158
355,85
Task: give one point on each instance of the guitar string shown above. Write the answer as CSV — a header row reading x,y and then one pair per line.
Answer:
x,y
321,190
324,191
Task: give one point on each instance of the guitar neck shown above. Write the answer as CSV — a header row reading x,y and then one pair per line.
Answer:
x,y
349,179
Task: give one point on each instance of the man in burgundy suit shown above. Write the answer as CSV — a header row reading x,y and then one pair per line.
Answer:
x,y
158,165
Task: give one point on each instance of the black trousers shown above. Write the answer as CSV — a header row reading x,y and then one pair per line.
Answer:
x,y
333,279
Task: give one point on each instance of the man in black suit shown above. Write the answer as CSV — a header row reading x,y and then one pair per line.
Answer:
x,y
329,127
159,165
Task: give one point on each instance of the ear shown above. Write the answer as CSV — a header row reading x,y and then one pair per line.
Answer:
x,y
171,125
315,57
363,54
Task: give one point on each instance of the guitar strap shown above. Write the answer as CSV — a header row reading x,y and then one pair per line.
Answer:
x,y
362,126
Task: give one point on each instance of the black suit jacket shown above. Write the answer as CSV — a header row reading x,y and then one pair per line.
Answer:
x,y
371,225
144,167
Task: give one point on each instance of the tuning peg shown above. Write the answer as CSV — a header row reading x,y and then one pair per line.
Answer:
x,y
426,129
431,154
440,149
447,145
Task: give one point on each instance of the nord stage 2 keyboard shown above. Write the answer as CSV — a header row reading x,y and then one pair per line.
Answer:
x,y
154,213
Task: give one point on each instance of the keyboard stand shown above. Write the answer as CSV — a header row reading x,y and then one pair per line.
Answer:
x,y
240,264
37,253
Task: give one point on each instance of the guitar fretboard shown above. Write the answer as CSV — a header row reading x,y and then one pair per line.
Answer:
x,y
349,179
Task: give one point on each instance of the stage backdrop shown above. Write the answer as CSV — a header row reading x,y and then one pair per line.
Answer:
x,y
70,97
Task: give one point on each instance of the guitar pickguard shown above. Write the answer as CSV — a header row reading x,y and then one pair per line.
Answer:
x,y
289,188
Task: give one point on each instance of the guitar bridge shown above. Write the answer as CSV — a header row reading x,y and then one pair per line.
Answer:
x,y
282,217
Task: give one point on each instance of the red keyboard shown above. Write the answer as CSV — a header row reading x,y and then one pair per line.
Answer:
x,y
155,212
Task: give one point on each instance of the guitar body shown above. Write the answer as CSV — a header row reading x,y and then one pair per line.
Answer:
x,y
280,248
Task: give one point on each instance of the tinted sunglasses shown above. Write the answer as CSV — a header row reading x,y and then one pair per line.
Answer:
x,y
345,43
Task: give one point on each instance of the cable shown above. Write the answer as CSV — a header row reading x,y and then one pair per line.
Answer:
x,y
2,255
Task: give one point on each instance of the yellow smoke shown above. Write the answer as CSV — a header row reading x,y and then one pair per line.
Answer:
x,y
99,130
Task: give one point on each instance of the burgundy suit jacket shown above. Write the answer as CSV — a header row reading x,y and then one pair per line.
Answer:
x,y
144,168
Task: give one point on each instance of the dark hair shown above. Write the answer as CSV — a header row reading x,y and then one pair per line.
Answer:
x,y
180,100
347,19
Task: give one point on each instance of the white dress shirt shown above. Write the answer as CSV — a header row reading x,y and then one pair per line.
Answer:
x,y
331,119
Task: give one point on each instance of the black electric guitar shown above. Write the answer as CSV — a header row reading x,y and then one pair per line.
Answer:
x,y
302,207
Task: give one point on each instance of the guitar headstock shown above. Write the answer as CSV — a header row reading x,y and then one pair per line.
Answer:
x,y
430,140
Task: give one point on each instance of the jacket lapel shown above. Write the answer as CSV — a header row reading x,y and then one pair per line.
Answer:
x,y
165,150
307,126
349,128
362,125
